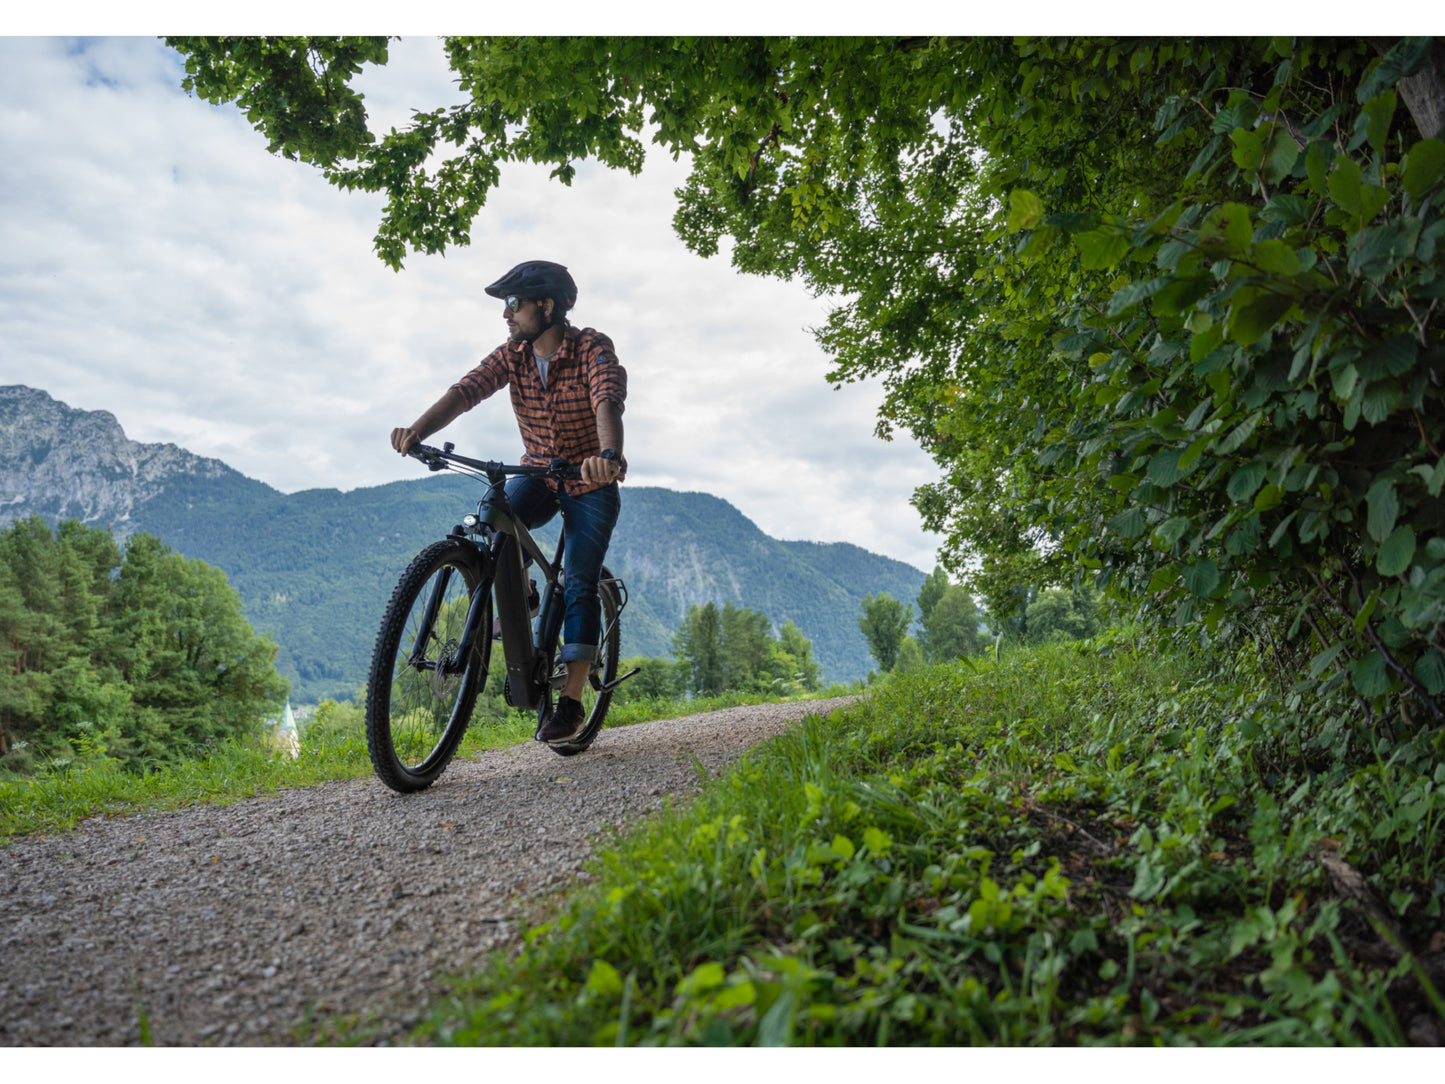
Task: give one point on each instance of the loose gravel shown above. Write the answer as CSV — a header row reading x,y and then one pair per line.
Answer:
x,y
258,922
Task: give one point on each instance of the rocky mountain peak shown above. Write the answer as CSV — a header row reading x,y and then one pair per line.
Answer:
x,y
60,462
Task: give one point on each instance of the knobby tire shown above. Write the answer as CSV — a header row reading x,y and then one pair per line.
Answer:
x,y
416,715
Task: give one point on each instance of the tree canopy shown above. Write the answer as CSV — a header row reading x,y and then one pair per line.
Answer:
x,y
1165,311
140,653
723,648
884,622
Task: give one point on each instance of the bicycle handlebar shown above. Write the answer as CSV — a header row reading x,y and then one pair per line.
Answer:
x,y
440,458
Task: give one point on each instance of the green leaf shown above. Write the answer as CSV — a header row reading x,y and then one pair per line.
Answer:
x,y
1194,451
1240,433
1277,258
1248,148
1372,201
1245,481
1268,497
1397,551
1345,183
1252,315
1149,879
1180,293
1133,293
1433,477
1102,248
1384,507
1025,210
1162,578
1230,225
877,841
1288,208
1322,661
1369,675
1204,343
1397,353
1430,672
1363,617
1284,152
1424,166
604,979
1171,530
1379,402
1164,468
1378,112
1344,379
702,978
1201,578
843,847
1129,523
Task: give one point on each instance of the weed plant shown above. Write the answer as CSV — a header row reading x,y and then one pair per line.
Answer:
x,y
1106,843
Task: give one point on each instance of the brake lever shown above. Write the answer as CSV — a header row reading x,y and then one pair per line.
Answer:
x,y
430,456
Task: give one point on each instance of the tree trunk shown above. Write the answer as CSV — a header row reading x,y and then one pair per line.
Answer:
x,y
1424,92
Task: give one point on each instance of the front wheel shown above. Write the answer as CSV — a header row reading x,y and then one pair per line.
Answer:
x,y
595,698
420,692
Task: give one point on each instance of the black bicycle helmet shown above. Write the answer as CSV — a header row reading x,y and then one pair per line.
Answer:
x,y
536,279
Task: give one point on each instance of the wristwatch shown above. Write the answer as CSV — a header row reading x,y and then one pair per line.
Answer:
x,y
610,453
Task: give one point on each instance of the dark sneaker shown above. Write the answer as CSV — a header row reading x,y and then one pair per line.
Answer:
x,y
564,724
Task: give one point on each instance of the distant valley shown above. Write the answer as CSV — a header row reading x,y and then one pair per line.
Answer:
x,y
314,568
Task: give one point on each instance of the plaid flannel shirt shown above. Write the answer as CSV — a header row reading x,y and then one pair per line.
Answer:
x,y
558,420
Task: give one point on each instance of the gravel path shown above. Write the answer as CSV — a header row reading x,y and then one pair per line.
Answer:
x,y
233,924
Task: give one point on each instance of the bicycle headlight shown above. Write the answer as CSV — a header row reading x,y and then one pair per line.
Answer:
x,y
471,521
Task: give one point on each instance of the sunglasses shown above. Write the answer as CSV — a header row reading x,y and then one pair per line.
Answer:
x,y
515,303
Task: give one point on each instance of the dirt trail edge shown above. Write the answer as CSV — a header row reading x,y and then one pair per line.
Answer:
x,y
230,925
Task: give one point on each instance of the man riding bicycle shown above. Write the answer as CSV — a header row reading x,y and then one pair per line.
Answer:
x,y
567,391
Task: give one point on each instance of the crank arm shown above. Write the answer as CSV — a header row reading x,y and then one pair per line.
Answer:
x,y
619,680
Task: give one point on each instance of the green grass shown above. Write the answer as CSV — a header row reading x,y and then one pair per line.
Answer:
x,y
57,798
1105,844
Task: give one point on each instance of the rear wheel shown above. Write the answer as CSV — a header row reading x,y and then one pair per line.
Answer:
x,y
595,699
420,693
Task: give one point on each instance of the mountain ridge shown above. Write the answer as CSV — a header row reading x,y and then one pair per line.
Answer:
x,y
314,568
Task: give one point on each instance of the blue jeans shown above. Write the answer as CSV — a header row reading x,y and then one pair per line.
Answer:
x,y
587,523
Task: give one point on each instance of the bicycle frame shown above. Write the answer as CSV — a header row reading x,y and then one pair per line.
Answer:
x,y
526,654
507,548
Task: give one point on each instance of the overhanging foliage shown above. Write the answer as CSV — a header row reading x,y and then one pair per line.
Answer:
x,y
1161,309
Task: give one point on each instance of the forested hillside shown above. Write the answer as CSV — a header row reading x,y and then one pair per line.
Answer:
x,y
314,569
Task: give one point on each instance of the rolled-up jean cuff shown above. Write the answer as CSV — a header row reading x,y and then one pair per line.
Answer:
x,y
578,653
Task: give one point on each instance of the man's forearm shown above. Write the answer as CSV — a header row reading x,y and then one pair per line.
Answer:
x,y
440,414
599,471
437,416
609,425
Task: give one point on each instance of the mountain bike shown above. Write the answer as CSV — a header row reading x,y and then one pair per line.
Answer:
x,y
433,650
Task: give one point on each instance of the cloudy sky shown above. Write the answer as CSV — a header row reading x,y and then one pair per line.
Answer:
x,y
156,262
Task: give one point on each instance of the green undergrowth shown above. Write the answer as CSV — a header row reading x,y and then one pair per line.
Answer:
x,y
63,793
1082,844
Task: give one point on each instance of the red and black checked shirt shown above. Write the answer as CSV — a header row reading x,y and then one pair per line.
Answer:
x,y
558,421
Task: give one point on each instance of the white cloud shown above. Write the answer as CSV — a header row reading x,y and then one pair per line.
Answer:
x,y
157,263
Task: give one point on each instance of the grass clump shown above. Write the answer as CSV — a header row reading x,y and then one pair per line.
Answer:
x,y
1096,844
